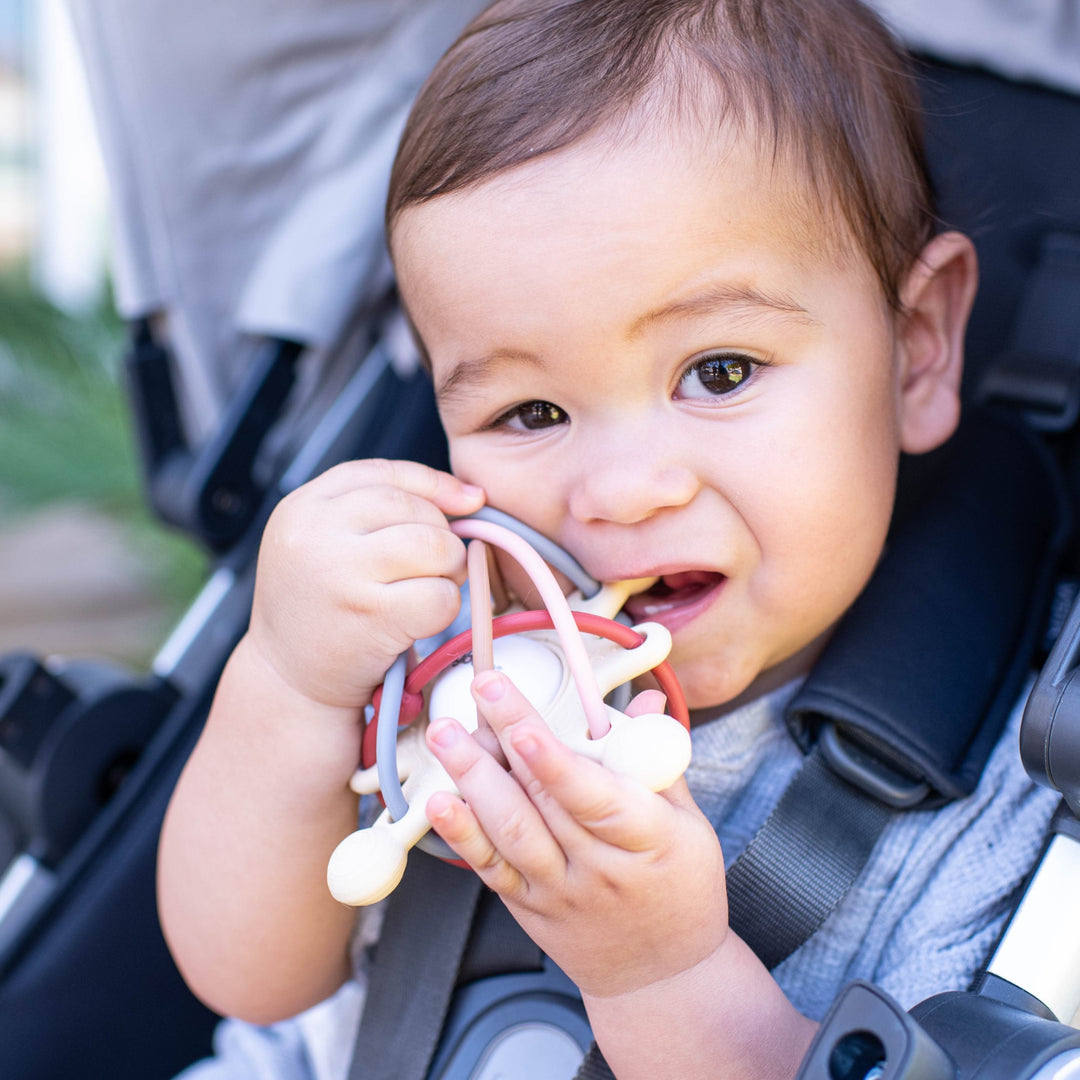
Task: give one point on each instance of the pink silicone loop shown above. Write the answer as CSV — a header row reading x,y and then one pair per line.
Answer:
x,y
576,657
480,607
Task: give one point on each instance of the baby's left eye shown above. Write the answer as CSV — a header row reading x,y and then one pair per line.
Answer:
x,y
716,375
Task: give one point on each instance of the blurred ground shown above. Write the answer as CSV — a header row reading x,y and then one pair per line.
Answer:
x,y
85,570
73,583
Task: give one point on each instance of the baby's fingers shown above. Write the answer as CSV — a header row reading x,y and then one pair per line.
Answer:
x,y
452,819
405,551
648,701
581,800
497,830
447,492
606,806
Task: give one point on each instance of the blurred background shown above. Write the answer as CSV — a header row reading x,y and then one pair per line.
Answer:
x,y
84,570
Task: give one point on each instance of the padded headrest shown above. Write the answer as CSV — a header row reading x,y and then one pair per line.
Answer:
x,y
925,667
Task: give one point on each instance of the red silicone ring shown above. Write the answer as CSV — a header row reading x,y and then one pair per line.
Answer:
x,y
438,661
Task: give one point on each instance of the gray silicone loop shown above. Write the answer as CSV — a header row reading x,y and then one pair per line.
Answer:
x,y
547,549
386,763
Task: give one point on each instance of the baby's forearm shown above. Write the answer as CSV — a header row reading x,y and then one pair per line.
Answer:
x,y
242,864
725,1017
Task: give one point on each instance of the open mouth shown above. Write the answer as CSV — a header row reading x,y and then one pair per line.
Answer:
x,y
674,594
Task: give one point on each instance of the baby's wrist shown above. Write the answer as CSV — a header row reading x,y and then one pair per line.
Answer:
x,y
742,1017
292,695
294,751
623,986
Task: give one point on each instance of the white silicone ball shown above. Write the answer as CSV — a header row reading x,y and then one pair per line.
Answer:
x,y
533,668
652,748
366,866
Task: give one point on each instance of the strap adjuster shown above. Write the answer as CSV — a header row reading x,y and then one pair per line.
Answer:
x,y
1044,389
867,772
1039,375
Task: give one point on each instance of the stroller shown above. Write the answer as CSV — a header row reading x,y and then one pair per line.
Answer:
x,y
258,362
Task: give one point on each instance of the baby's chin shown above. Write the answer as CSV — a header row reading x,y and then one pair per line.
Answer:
x,y
720,696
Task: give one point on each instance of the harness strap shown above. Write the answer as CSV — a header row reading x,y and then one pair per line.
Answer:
x,y
802,861
416,964
497,944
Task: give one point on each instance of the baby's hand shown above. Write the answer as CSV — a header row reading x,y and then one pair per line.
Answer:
x,y
620,886
354,567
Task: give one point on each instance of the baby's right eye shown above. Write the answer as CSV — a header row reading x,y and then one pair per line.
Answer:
x,y
532,416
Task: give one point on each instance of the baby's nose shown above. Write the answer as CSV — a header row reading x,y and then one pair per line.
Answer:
x,y
631,484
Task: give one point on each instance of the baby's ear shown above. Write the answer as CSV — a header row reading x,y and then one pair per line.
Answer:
x,y
936,296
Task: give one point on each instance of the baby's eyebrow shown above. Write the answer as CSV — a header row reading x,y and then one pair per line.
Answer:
x,y
474,372
717,298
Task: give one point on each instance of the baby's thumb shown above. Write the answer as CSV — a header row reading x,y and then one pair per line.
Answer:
x,y
455,497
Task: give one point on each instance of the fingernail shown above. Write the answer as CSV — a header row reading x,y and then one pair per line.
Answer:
x,y
444,733
472,490
526,744
490,685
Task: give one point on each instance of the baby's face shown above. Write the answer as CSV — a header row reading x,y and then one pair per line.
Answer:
x,y
659,362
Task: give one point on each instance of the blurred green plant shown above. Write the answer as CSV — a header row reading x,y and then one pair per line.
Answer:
x,y
65,431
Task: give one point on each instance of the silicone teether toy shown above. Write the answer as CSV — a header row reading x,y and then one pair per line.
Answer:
x,y
564,660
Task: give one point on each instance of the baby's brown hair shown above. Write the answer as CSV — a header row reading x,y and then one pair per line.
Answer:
x,y
821,80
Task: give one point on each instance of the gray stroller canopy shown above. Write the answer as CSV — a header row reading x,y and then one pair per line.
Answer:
x,y
248,146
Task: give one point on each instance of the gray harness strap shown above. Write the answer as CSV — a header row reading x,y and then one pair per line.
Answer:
x,y
802,861
414,970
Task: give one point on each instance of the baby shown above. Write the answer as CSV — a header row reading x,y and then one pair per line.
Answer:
x,y
674,270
